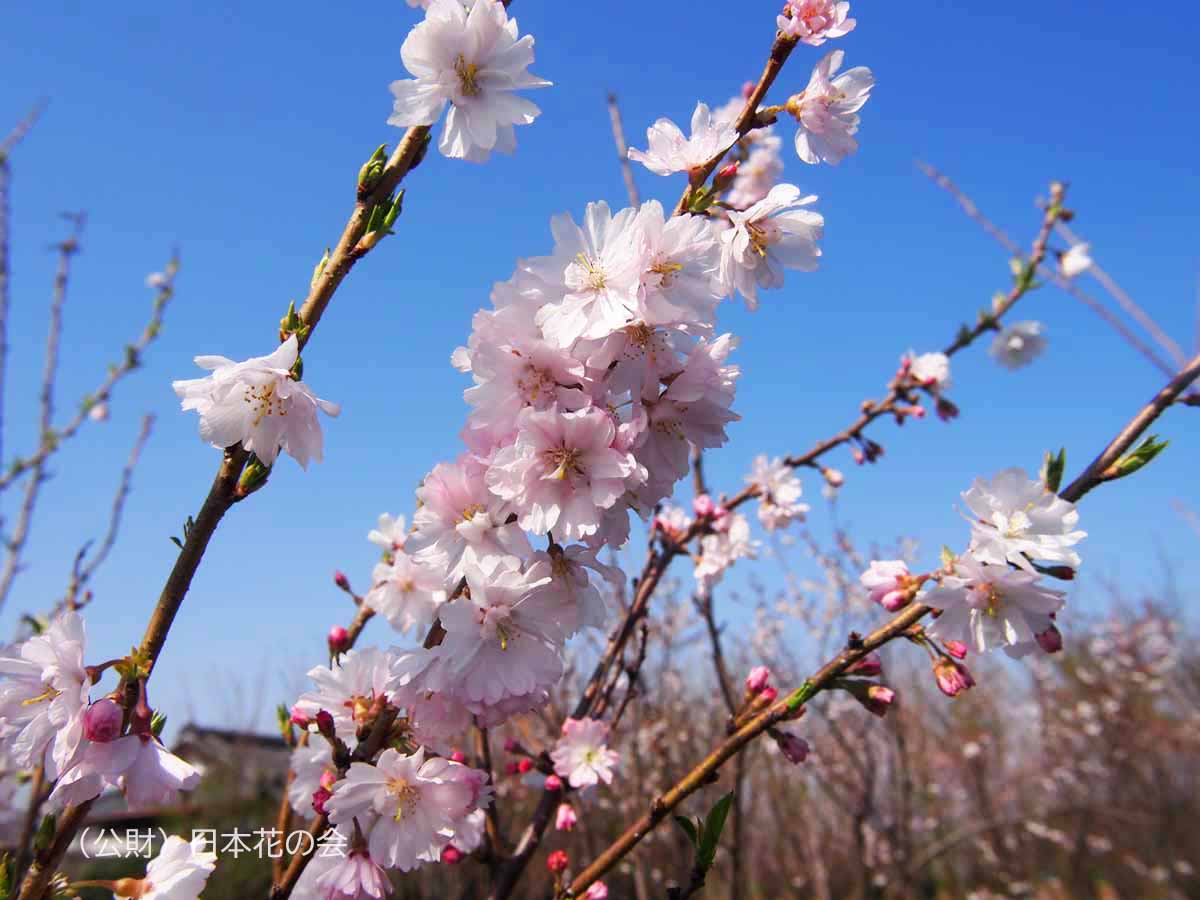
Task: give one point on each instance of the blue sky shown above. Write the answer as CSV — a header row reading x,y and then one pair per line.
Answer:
x,y
236,137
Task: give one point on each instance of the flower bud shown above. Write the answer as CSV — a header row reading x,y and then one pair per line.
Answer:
x,y
339,638
795,749
598,891
833,477
451,855
724,177
458,756
525,766
553,783
758,679
325,725
99,412
767,695
704,506
320,795
557,861
869,666
952,677
957,649
879,699
946,410
340,579
328,779
300,718
887,583
565,818
1051,639
511,745
510,768
102,721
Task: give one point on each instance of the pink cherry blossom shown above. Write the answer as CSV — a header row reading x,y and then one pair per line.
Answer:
x,y
669,151
812,22
581,755
827,110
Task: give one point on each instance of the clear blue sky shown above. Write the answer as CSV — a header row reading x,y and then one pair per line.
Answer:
x,y
236,137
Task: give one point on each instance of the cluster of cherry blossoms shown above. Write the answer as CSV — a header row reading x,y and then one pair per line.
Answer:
x,y
993,595
47,718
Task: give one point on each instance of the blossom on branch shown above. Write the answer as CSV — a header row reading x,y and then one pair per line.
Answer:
x,y
779,493
1016,520
581,755
259,404
827,110
474,60
669,151
1019,344
179,872
772,235
812,22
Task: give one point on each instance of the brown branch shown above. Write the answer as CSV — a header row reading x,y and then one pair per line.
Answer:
x,y
614,114
15,544
1050,273
857,650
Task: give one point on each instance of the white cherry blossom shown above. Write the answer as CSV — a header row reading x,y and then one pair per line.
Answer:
x,y
779,503
1016,519
582,755
1019,344
669,151
827,110
812,22
774,234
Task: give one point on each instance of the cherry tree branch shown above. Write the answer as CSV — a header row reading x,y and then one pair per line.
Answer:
x,y
856,649
614,114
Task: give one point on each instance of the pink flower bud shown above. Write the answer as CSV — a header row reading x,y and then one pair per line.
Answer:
x,y
795,749
458,756
565,818
340,579
553,783
451,855
952,677
325,724
510,768
880,699
596,892
320,795
857,455
869,666
887,583
768,695
704,506
724,177
300,718
328,778
525,766
339,637
946,410
834,477
558,861
1051,639
758,679
1063,573
747,89
894,601
511,745
957,649
102,721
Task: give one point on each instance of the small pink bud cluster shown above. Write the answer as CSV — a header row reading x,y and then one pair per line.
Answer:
x,y
553,783
706,508
1050,640
102,721
558,861
339,639
451,855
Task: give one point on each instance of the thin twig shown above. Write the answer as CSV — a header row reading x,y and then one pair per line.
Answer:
x,y
614,114
82,572
824,677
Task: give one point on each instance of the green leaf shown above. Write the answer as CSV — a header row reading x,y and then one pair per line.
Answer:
x,y
948,557
177,542
689,828
706,852
7,872
1136,458
1053,466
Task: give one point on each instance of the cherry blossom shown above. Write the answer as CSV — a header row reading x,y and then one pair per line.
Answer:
x,y
887,582
581,755
599,265
179,872
1075,261
352,689
474,60
721,550
259,404
779,498
775,233
565,818
418,803
827,110
355,876
146,772
757,174
405,592
989,606
458,523
930,370
1019,344
44,694
562,470
1016,519
812,22
669,151
390,534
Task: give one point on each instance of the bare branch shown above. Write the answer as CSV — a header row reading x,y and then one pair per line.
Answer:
x,y
614,113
